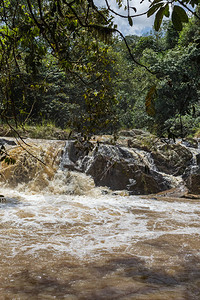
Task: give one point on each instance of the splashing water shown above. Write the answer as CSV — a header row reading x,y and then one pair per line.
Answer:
x,y
60,238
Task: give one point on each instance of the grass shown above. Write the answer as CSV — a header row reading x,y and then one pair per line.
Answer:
x,y
47,131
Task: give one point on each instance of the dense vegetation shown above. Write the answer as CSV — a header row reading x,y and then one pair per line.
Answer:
x,y
58,65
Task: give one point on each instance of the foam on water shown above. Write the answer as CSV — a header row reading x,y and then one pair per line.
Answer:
x,y
86,226
61,238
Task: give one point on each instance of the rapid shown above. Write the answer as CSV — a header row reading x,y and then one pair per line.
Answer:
x,y
63,238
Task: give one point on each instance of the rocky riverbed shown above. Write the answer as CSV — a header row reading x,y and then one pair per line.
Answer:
x,y
137,162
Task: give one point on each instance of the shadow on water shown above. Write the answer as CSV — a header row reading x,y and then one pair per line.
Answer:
x,y
117,278
34,285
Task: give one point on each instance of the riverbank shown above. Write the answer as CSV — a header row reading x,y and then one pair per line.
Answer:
x,y
48,131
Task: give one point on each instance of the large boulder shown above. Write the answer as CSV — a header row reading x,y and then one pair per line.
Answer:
x,y
138,162
192,179
118,169
172,158
169,158
73,152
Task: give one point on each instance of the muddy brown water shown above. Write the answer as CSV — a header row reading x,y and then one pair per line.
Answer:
x,y
98,247
60,238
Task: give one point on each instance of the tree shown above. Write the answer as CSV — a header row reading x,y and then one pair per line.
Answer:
x,y
70,31
178,87
65,30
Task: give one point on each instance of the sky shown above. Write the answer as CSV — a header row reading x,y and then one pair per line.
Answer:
x,y
141,25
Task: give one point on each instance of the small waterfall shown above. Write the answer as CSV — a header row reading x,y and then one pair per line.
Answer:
x,y
65,161
145,158
47,167
75,167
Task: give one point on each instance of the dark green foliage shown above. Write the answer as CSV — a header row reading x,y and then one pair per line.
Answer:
x,y
59,62
171,36
178,15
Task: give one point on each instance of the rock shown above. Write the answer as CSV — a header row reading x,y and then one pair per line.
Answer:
x,y
193,184
190,142
2,199
139,162
118,169
144,140
191,196
148,183
198,159
7,142
176,192
132,132
172,159
74,150
193,181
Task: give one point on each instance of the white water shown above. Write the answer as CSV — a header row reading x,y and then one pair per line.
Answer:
x,y
92,224
69,241
39,234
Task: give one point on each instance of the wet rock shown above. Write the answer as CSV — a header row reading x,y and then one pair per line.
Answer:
x,y
78,149
7,142
191,196
139,162
75,150
198,159
148,183
172,159
117,168
193,183
2,199
190,142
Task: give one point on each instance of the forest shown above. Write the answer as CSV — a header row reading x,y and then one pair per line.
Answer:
x,y
63,63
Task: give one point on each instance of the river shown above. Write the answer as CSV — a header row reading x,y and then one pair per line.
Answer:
x,y
91,246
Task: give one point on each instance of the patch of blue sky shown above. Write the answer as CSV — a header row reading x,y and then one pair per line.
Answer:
x,y
141,24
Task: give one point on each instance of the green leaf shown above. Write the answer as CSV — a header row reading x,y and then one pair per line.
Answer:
x,y
166,11
155,2
130,21
159,18
181,13
178,17
153,9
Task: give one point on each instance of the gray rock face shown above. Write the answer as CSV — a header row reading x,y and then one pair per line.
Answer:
x,y
139,163
117,168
